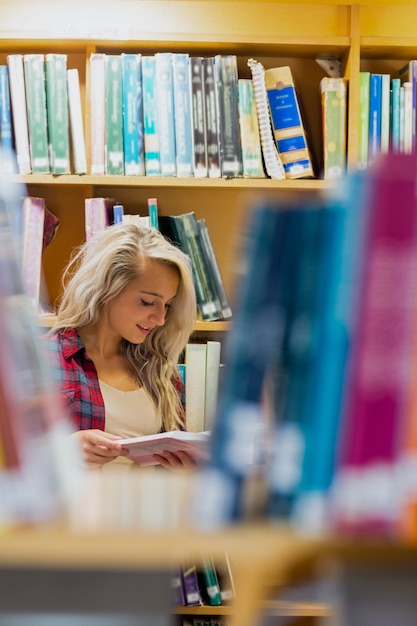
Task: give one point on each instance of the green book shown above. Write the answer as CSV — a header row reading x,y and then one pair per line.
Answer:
x,y
249,131
34,70
363,127
57,112
333,102
114,114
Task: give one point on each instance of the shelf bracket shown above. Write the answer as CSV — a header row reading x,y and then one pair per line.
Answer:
x,y
331,65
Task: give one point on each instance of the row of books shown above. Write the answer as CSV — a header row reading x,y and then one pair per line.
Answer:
x,y
41,120
210,583
321,400
186,231
387,113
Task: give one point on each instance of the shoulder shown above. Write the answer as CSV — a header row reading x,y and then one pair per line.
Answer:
x,y
65,342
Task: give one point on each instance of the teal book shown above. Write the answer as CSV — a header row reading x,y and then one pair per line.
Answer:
x,y
57,109
34,69
133,150
114,150
165,112
19,112
8,159
211,583
213,268
150,117
395,114
183,114
153,212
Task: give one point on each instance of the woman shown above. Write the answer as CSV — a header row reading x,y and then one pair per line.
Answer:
x,y
127,311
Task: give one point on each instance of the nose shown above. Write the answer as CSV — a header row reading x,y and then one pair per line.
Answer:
x,y
158,315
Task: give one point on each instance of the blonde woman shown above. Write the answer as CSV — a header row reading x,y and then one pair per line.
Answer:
x,y
127,310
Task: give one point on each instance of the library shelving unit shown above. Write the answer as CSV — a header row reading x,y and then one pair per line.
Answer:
x,y
376,36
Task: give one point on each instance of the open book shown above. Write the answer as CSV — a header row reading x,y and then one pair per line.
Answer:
x,y
143,449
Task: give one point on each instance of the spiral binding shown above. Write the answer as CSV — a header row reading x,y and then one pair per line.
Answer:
x,y
273,164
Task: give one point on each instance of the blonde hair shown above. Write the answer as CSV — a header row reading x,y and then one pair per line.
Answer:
x,y
99,270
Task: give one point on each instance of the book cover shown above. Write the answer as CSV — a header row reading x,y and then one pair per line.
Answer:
x,y
211,114
19,112
334,101
363,126
133,148
150,117
8,160
34,71
407,143
385,112
249,131
33,221
177,587
57,112
226,77
153,212
408,73
97,103
98,215
191,584
195,386
381,363
213,350
77,140
114,114
375,91
165,112
183,122
142,450
288,125
272,160
210,580
213,268
118,214
200,168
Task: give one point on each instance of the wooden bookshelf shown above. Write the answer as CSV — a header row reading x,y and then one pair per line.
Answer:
x,y
374,35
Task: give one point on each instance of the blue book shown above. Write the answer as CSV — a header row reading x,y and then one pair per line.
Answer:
x,y
150,119
375,114
8,160
395,114
118,212
165,112
134,163
183,114
339,288
153,212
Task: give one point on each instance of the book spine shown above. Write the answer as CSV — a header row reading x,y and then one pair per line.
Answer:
x,y
8,162
213,349
183,114
385,112
153,212
98,112
226,77
33,227
214,268
78,151
273,163
395,114
375,85
363,129
191,585
150,118
134,164
114,114
96,215
212,119
195,385
198,117
333,94
287,123
57,110
408,117
34,70
19,112
165,111
249,131
211,582
118,212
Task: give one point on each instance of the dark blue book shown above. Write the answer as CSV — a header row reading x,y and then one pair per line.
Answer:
x,y
375,115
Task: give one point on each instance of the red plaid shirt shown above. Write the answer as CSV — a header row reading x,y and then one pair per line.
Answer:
x,y
77,380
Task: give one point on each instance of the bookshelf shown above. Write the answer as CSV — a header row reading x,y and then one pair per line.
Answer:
x,y
377,36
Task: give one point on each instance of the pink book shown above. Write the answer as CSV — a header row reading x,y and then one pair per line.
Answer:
x,y
365,489
33,222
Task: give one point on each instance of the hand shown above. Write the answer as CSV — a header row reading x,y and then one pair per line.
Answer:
x,y
98,447
176,461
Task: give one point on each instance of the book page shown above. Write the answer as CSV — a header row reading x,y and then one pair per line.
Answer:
x,y
143,449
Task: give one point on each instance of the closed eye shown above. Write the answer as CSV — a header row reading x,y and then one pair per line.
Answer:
x,y
146,303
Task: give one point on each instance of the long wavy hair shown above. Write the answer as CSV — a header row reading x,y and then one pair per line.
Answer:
x,y
98,271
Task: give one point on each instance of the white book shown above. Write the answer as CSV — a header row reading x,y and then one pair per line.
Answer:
x,y
213,349
19,111
195,386
97,112
76,122
142,450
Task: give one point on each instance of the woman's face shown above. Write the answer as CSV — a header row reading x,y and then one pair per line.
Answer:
x,y
143,303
